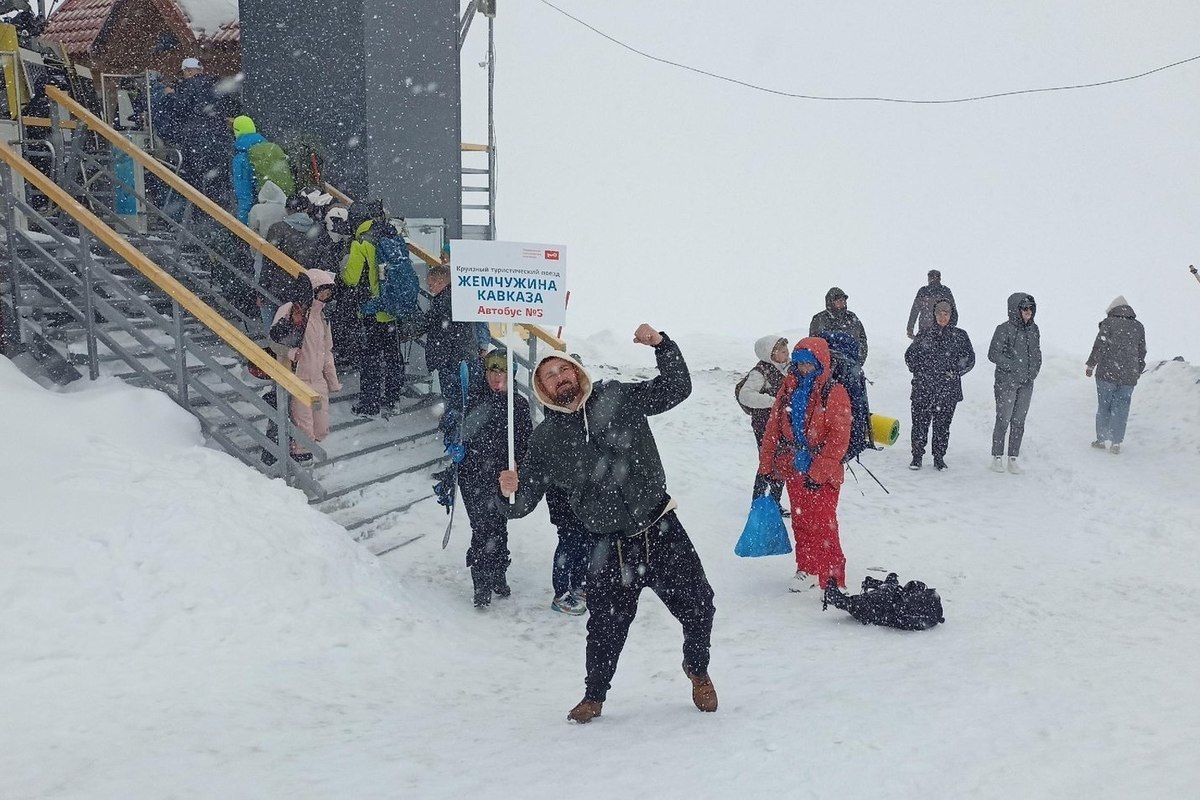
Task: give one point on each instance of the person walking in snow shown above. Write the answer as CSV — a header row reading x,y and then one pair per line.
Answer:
x,y
837,317
485,454
928,296
807,436
1016,350
198,123
380,356
255,162
756,394
595,444
937,358
447,343
313,356
1118,359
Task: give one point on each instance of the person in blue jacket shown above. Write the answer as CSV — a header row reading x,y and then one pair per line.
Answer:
x,y
242,173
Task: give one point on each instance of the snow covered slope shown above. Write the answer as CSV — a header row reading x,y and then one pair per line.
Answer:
x,y
173,624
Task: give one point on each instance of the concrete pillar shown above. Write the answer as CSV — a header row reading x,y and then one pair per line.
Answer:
x,y
376,82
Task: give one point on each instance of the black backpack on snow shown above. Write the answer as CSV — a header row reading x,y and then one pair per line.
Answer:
x,y
911,607
846,369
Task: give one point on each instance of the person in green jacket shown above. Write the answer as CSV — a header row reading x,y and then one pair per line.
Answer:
x,y
382,363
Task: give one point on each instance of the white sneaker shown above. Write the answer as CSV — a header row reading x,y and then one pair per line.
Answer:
x,y
1013,467
802,582
997,463
569,604
1115,449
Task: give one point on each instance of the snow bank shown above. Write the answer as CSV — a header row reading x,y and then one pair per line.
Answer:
x,y
174,624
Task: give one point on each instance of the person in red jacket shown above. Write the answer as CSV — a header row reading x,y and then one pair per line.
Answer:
x,y
806,439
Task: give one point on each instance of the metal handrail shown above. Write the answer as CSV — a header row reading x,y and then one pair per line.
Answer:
x,y
247,234
225,330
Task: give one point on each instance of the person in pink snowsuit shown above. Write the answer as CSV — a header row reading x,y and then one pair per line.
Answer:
x,y
314,359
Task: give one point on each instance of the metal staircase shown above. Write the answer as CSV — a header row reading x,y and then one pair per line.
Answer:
x,y
164,303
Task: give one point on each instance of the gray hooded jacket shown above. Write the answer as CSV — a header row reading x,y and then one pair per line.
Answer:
x,y
1119,352
603,455
1016,347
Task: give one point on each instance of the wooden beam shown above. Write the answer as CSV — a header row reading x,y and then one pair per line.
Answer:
x,y
545,336
473,148
233,337
242,231
44,122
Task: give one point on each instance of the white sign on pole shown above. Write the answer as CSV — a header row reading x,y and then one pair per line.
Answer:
x,y
509,282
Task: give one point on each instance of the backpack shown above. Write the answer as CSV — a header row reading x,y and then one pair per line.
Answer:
x,y
846,369
307,158
737,390
398,283
911,607
270,163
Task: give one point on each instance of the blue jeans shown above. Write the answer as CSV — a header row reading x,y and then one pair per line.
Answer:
x,y
1112,411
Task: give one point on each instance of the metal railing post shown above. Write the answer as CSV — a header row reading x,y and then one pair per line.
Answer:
x,y
491,130
181,375
89,311
12,334
283,449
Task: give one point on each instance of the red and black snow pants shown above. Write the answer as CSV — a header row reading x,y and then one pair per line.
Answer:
x,y
662,559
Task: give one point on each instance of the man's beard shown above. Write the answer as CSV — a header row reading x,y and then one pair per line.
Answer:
x,y
566,395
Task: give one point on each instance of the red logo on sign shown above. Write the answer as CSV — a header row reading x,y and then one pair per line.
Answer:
x,y
552,255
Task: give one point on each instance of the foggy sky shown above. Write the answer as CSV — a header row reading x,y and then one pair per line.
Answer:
x,y
698,205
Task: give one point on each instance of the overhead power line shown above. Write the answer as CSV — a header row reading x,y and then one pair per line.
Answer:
x,y
867,99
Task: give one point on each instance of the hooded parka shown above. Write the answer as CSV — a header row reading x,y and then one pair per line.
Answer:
x,y
314,361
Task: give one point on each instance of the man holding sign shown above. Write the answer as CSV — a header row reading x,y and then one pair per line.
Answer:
x,y
596,444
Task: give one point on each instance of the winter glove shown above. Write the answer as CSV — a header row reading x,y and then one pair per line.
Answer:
x,y
811,485
456,452
443,490
1089,371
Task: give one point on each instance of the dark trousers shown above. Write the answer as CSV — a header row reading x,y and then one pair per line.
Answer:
x,y
382,376
939,414
572,559
488,553
762,483
662,559
1012,404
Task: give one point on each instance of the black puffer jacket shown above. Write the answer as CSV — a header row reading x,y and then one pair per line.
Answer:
x,y
928,296
845,320
938,358
1016,347
485,435
1119,352
446,342
604,455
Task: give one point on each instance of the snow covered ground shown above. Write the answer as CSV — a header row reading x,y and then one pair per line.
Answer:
x,y
173,624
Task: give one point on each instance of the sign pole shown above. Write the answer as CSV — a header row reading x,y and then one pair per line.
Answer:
x,y
511,369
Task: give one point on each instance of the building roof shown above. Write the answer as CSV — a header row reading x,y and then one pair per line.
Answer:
x,y
77,23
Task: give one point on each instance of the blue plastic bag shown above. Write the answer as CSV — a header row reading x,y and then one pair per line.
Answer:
x,y
764,534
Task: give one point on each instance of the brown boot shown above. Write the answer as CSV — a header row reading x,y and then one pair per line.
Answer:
x,y
586,711
704,694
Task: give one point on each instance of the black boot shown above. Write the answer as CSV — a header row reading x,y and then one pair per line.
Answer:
x,y
483,587
500,584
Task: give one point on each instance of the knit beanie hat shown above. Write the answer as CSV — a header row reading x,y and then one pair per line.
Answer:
x,y
497,359
942,305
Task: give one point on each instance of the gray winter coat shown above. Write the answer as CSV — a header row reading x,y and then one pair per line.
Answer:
x,y
845,320
921,313
1119,353
1016,347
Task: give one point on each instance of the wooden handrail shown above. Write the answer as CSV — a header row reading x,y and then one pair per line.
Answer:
x,y
473,148
544,335
236,226
233,337
44,122
338,194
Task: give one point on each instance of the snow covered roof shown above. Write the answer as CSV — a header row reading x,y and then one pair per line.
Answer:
x,y
77,23
208,17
